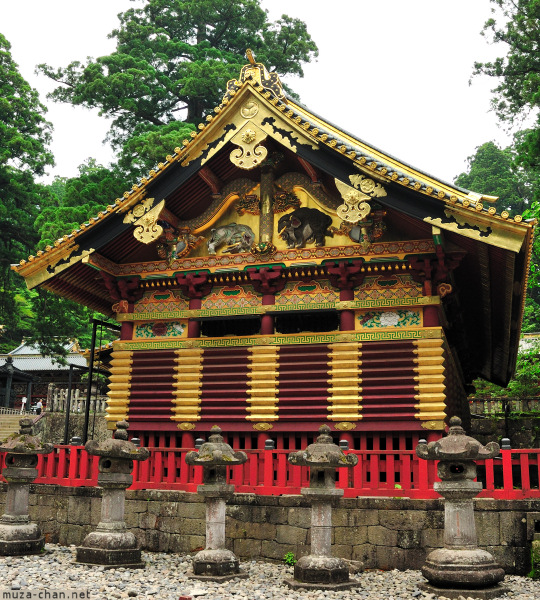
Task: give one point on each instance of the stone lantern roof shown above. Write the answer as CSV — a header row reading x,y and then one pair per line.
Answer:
x,y
118,446
323,454
25,442
457,446
215,452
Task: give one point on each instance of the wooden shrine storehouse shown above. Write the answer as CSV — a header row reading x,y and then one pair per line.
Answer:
x,y
276,273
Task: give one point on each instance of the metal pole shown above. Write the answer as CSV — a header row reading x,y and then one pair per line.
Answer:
x,y
89,386
68,406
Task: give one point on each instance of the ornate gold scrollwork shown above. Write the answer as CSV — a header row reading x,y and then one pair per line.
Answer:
x,y
250,154
186,426
345,426
262,426
145,220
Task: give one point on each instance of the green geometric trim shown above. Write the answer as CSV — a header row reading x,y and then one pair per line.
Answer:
x,y
279,308
284,340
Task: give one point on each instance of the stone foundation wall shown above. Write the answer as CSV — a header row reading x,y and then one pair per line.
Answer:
x,y
383,533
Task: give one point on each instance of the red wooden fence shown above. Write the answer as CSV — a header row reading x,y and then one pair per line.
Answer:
x,y
515,474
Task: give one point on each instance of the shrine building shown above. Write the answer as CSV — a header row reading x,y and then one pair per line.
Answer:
x,y
276,273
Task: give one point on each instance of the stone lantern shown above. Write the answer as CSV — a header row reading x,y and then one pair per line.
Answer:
x,y
460,568
319,569
111,544
215,562
17,534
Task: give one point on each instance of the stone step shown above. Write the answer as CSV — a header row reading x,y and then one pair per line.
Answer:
x,y
8,424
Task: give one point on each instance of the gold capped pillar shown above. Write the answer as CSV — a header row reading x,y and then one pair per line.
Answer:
x,y
119,387
430,383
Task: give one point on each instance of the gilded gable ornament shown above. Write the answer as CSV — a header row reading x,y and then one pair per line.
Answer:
x,y
250,153
145,220
361,217
259,76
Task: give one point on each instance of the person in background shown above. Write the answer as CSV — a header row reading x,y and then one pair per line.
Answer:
x,y
23,404
39,406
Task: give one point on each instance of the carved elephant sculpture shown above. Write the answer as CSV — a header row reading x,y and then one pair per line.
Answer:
x,y
304,225
239,238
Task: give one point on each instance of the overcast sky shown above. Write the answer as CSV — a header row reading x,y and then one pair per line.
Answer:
x,y
394,73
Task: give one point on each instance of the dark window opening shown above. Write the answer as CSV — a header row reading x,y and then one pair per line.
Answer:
x,y
223,327
298,322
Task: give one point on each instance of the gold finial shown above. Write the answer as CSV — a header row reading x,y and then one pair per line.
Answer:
x,y
249,56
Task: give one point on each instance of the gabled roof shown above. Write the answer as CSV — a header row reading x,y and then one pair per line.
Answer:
x,y
196,184
27,357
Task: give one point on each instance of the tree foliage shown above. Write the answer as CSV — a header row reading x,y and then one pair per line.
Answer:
x,y
515,25
173,59
72,201
24,138
492,171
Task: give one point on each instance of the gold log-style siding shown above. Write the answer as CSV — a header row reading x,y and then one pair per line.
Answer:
x,y
187,385
262,384
430,382
119,387
344,392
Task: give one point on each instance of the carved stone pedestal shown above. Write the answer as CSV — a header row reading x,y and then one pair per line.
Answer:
x,y
215,562
320,570
111,544
460,568
18,535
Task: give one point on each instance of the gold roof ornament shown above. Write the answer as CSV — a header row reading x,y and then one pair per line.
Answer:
x,y
259,76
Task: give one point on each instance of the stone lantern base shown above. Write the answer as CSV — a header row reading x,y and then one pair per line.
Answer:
x,y
216,565
20,538
321,572
110,549
463,572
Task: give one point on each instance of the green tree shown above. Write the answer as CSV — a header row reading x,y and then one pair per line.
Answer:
x,y
172,61
24,138
492,171
495,171
71,201
515,25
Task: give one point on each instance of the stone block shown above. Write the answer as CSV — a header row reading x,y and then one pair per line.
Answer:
x,y
403,520
380,536
147,520
351,536
190,526
169,509
71,534
432,538
299,517
293,500
342,551
95,510
137,506
389,558
131,520
513,529
170,524
250,549
192,511
42,514
286,534
367,554
272,550
241,513
362,517
259,531
78,510
488,528
434,519
409,539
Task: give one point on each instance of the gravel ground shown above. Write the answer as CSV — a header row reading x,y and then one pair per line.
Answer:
x,y
165,579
